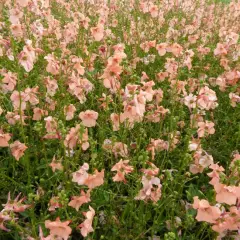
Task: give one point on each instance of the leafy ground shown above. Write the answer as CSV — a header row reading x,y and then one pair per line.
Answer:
x,y
127,110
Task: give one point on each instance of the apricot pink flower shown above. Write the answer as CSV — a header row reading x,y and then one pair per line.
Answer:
x,y
58,228
176,49
38,113
201,161
120,149
18,149
95,180
27,56
56,164
51,85
98,32
226,194
215,174
234,99
54,203
206,212
19,100
190,101
81,175
4,138
78,201
17,30
157,145
151,189
152,171
122,169
15,15
205,128
51,128
3,218
72,137
115,118
207,99
77,65
88,118
22,3
162,48
154,11
9,82
161,76
31,95
15,205
220,50
228,221
194,145
86,226
69,111
53,66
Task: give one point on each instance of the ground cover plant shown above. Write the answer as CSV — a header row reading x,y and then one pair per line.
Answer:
x,y
119,119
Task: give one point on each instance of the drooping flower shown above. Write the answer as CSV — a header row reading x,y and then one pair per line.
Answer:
x,y
95,180
77,201
18,149
86,226
4,216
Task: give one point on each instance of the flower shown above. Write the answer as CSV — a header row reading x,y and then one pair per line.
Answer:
x,y
190,101
122,169
226,194
206,212
22,3
78,201
88,118
53,65
58,228
152,171
115,118
3,218
4,138
220,49
86,226
207,99
56,165
81,175
98,32
38,113
151,189
18,149
69,111
16,204
162,48
204,128
54,203
95,179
